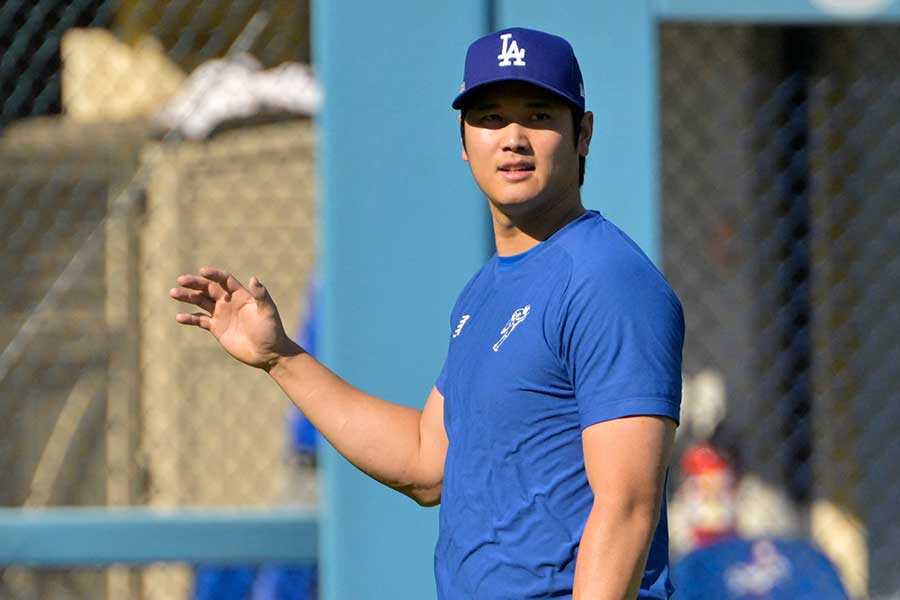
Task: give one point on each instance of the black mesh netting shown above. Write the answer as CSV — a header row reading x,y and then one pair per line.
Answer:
x,y
781,220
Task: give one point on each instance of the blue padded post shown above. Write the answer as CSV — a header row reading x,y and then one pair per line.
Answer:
x,y
403,228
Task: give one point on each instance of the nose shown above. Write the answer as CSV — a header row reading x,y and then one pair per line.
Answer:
x,y
515,138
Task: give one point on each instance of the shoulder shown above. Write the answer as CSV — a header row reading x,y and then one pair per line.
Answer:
x,y
481,278
479,281
610,273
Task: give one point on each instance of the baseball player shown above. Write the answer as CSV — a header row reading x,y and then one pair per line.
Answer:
x,y
547,435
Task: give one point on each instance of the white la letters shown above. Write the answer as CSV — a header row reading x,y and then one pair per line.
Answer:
x,y
510,51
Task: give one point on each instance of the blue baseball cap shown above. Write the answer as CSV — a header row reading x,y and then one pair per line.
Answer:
x,y
528,55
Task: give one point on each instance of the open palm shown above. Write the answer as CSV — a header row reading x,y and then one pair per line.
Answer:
x,y
244,320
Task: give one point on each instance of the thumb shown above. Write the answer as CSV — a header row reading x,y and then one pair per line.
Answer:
x,y
258,290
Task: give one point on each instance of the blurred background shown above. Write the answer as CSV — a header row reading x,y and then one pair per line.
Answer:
x,y
130,151
140,140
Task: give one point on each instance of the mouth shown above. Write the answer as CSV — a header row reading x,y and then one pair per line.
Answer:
x,y
516,167
516,171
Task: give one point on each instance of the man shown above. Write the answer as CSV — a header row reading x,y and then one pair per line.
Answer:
x,y
547,435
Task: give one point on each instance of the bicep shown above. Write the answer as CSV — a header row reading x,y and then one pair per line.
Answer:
x,y
626,459
432,439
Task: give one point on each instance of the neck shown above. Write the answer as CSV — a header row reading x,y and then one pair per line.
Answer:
x,y
519,231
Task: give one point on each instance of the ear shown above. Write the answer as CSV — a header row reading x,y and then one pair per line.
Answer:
x,y
585,133
465,156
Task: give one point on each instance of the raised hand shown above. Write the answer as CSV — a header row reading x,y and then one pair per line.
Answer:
x,y
244,320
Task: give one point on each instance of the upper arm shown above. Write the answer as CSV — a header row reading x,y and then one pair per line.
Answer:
x,y
626,459
432,443
621,342
622,346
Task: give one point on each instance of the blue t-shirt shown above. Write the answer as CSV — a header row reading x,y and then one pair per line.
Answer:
x,y
580,329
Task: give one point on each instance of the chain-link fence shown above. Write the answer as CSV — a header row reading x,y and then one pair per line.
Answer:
x,y
127,158
781,220
189,32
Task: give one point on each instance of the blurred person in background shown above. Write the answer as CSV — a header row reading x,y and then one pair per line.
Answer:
x,y
709,490
716,495
547,436
721,563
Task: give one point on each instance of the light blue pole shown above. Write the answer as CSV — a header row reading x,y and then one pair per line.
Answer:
x,y
403,228
67,537
780,12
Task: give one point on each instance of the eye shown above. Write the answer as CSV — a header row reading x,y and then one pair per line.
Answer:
x,y
541,116
489,118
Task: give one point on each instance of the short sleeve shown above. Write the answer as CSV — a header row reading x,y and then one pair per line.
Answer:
x,y
622,336
443,376
441,382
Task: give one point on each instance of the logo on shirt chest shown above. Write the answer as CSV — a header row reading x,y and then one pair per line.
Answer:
x,y
517,317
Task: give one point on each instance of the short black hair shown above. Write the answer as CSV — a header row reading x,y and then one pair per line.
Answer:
x,y
577,116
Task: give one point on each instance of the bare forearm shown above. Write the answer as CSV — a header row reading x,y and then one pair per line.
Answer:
x,y
380,438
613,552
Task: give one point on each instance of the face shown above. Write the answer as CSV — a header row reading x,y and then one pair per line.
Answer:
x,y
520,146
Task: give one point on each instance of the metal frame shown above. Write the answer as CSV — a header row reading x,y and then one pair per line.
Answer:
x,y
71,537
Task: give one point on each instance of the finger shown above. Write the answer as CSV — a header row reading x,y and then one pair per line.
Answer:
x,y
259,291
225,279
193,297
194,282
198,319
211,289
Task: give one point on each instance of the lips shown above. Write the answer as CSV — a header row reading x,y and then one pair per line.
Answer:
x,y
516,167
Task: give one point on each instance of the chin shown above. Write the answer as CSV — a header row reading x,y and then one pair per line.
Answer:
x,y
515,203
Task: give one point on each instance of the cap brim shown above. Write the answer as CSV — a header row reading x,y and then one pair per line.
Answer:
x,y
460,100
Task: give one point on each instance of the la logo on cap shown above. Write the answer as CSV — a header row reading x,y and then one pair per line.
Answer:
x,y
510,51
